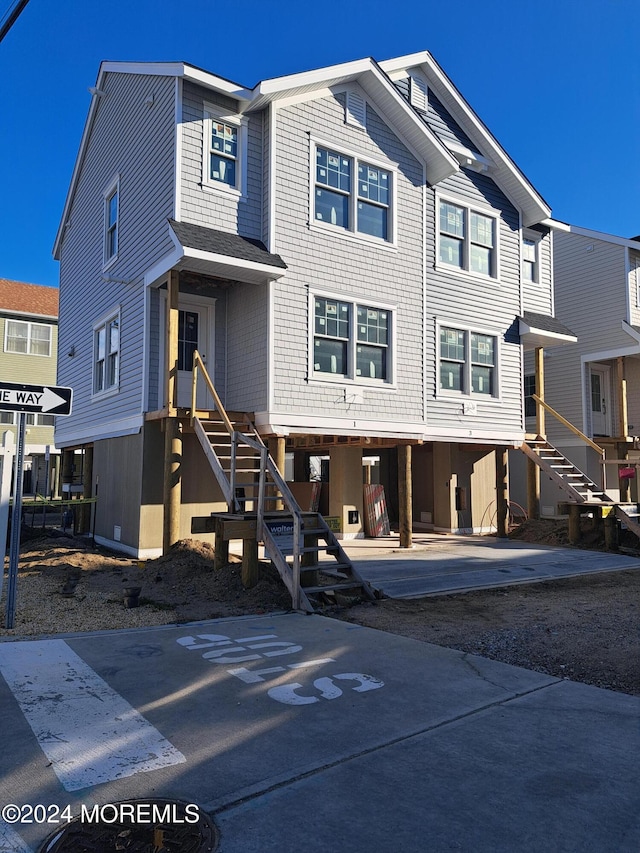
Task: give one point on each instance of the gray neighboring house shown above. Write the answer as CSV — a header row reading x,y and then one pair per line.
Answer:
x,y
357,259
594,382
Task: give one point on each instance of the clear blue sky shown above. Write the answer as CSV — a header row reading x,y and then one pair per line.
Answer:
x,y
556,81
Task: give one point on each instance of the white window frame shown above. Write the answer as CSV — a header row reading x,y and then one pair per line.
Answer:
x,y
529,239
30,327
467,392
103,324
468,208
113,189
350,377
351,232
211,115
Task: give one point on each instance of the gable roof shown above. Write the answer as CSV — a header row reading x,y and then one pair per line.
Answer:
x,y
216,242
32,300
508,176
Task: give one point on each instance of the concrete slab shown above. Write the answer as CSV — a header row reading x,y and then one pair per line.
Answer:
x,y
302,732
441,565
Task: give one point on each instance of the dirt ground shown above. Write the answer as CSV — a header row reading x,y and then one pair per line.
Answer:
x,y
585,629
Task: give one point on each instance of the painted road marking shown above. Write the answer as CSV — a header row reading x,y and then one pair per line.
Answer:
x,y
10,841
287,693
89,733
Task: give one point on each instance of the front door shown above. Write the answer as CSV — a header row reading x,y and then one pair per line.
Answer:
x,y
195,332
600,403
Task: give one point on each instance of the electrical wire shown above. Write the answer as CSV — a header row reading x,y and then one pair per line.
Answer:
x,y
11,16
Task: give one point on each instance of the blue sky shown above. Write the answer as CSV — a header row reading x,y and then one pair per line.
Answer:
x,y
556,81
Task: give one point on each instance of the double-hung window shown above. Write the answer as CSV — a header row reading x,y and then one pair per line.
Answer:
x,y
111,221
224,151
468,362
351,340
529,391
106,363
529,260
468,239
27,338
353,194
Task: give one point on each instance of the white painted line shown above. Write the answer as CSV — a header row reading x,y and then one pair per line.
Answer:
x,y
10,841
89,733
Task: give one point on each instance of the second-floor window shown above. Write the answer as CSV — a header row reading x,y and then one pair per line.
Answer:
x,y
111,222
225,152
352,194
468,239
351,340
529,391
468,362
27,338
529,260
106,365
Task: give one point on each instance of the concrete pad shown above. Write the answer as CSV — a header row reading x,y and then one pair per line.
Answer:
x,y
442,565
306,733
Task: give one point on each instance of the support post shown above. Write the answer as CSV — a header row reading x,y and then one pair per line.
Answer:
x,y
574,524
623,418
84,510
221,553
277,445
533,489
502,493
171,348
250,568
611,533
540,413
172,482
404,495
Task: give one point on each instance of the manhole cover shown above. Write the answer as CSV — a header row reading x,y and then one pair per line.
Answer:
x,y
136,826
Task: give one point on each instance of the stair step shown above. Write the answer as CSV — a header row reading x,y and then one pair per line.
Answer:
x,y
332,587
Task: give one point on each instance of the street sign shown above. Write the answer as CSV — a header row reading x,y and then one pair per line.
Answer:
x,y
43,399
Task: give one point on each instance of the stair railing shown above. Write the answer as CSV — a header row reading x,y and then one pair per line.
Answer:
x,y
574,429
266,465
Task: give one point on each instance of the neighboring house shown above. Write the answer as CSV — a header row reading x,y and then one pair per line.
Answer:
x,y
593,383
355,256
29,335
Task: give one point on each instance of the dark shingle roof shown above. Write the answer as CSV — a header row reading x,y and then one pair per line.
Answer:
x,y
222,243
546,323
32,299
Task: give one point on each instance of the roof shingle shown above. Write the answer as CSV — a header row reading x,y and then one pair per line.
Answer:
x,y
32,299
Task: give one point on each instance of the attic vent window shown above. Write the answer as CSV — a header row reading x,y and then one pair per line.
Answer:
x,y
356,110
418,92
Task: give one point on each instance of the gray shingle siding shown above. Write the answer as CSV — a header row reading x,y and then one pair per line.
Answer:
x,y
215,209
438,118
136,142
247,347
330,261
537,295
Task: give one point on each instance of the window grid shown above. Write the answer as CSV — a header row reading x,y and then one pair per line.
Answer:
x,y
107,356
529,391
338,352
223,153
529,260
25,338
335,195
468,362
467,239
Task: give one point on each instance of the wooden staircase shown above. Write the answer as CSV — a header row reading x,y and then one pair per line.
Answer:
x,y
306,553
578,485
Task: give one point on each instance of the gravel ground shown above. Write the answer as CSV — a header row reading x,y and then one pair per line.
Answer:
x,y
586,629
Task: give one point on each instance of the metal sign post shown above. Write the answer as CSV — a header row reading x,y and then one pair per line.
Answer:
x,y
21,398
16,521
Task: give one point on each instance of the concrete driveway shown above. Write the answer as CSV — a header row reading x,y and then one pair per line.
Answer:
x,y
305,733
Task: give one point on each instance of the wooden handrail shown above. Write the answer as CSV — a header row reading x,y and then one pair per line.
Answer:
x,y
198,363
569,425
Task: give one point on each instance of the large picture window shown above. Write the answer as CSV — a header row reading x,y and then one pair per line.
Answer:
x,y
106,364
468,362
351,340
27,338
352,194
468,239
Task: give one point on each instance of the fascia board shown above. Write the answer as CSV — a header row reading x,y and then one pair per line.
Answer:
x,y
594,235
184,70
529,201
237,263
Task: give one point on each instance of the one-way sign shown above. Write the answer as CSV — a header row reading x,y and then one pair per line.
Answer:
x,y
44,399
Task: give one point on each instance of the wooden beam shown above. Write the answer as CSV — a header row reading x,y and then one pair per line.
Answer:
x,y
502,493
171,344
623,418
540,414
405,510
277,446
250,573
533,489
172,483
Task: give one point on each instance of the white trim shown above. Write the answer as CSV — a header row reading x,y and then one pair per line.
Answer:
x,y
146,354
425,201
272,178
526,234
98,431
104,321
139,553
178,151
552,276
271,343
557,225
627,276
352,233
157,273
350,379
269,271
469,207
605,371
468,395
8,313
301,97
295,424
28,324
212,114
112,189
